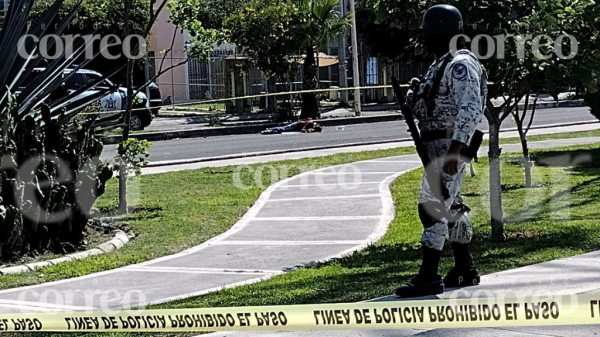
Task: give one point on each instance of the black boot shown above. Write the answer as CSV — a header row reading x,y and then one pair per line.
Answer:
x,y
464,273
428,281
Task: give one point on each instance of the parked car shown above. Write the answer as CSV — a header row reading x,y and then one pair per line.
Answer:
x,y
114,100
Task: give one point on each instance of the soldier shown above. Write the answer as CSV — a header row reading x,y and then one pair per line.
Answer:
x,y
449,105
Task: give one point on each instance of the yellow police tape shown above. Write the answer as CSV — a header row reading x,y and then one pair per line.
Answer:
x,y
426,314
249,97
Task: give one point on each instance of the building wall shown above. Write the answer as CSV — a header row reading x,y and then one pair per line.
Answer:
x,y
174,82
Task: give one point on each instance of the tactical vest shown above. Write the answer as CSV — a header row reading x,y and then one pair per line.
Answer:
x,y
426,97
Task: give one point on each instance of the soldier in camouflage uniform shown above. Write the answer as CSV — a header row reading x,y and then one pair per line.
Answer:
x,y
449,105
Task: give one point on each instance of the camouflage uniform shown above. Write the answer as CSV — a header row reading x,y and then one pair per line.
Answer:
x,y
457,106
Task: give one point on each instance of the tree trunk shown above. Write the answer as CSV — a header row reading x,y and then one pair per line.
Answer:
x,y
526,158
272,100
497,215
526,163
310,105
126,120
525,149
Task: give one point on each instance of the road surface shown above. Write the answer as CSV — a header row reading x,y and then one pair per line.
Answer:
x,y
191,148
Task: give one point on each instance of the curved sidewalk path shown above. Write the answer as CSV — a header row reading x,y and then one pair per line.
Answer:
x,y
311,217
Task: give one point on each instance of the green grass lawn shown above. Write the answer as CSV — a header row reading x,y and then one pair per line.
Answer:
x,y
176,211
204,107
555,218
172,216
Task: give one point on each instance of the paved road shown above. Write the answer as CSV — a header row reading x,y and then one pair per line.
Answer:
x,y
227,145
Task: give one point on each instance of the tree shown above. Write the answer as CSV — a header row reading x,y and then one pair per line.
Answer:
x,y
102,17
214,13
263,29
183,15
320,26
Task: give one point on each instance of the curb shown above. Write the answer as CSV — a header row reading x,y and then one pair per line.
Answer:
x,y
246,129
119,240
325,147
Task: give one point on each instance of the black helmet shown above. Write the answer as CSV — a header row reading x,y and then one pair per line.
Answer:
x,y
442,19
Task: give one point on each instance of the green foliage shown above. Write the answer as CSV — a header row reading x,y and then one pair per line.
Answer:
x,y
103,17
51,178
133,153
186,15
213,13
107,16
215,120
264,30
320,22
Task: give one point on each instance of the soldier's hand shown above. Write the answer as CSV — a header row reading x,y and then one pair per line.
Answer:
x,y
452,160
451,164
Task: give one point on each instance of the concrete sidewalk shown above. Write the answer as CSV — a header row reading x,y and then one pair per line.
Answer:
x,y
347,212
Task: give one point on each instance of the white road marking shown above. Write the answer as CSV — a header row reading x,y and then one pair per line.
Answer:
x,y
28,308
204,270
330,197
338,184
318,218
43,306
394,161
251,215
292,243
350,172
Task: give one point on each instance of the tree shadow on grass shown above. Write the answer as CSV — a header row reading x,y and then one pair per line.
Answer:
x,y
580,161
110,213
532,210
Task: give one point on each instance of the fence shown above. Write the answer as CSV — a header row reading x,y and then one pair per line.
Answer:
x,y
198,81
194,80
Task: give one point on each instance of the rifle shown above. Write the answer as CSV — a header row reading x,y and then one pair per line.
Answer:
x,y
438,189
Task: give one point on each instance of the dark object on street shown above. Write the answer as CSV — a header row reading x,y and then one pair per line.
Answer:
x,y
304,126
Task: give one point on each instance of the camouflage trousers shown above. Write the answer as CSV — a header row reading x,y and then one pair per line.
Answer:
x,y
434,236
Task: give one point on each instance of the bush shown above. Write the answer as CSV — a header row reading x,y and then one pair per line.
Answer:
x,y
50,171
51,176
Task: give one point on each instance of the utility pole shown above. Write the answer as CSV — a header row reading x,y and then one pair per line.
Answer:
x,y
343,71
355,71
